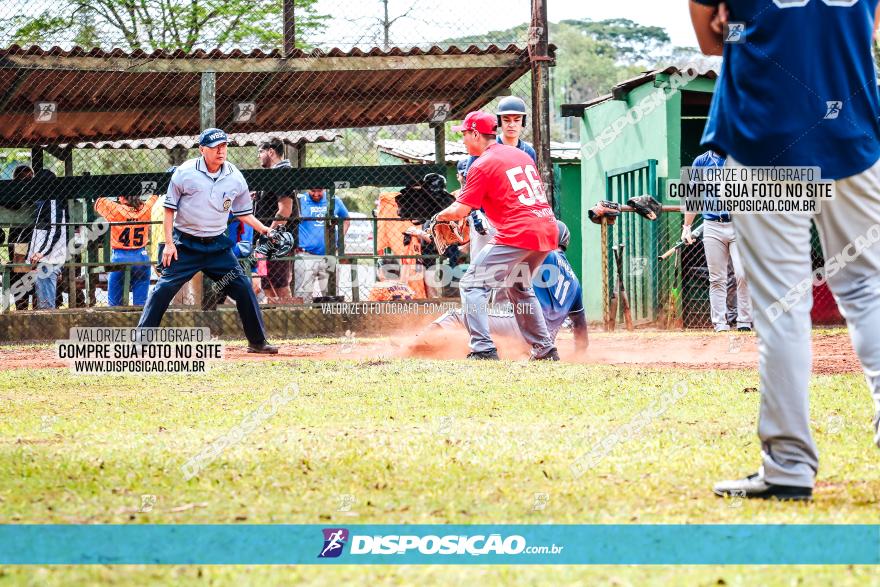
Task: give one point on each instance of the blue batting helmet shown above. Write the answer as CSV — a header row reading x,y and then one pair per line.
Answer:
x,y
564,235
511,105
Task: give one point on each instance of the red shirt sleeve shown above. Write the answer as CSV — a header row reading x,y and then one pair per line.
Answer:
x,y
475,188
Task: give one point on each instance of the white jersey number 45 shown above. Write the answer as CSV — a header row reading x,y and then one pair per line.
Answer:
x,y
527,181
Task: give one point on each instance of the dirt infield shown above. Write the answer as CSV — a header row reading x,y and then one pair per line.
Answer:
x,y
832,351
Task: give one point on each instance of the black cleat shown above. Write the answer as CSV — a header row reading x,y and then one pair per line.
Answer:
x,y
553,355
755,487
263,348
484,355
745,329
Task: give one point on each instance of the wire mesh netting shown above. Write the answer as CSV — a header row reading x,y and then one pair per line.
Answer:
x,y
338,115
667,282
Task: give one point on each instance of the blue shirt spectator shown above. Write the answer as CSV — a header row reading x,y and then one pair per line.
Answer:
x,y
313,209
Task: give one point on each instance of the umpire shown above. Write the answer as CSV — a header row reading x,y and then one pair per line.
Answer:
x,y
200,196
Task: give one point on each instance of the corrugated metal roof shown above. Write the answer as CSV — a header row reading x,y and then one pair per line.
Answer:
x,y
240,139
705,67
420,151
56,51
112,96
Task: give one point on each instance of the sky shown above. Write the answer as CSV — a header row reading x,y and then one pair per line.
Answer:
x,y
440,19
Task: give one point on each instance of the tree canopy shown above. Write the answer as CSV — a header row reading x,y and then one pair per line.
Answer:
x,y
164,24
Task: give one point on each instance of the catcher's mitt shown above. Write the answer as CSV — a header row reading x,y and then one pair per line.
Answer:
x,y
604,209
444,234
645,206
277,243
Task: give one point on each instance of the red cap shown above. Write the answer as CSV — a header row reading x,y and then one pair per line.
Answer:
x,y
479,121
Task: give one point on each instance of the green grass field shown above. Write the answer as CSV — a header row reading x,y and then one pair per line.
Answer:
x,y
413,441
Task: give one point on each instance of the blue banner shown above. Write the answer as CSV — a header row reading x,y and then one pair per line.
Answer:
x,y
439,544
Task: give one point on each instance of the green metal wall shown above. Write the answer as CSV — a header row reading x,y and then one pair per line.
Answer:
x,y
569,209
647,139
639,264
656,135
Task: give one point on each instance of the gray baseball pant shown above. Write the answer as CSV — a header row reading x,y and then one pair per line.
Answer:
x,y
507,268
719,242
776,257
501,323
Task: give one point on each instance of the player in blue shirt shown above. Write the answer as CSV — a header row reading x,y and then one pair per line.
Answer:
x,y
315,270
719,244
559,294
511,115
798,88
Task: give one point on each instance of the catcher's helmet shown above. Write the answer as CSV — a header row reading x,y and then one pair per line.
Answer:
x,y
511,105
278,243
564,234
434,183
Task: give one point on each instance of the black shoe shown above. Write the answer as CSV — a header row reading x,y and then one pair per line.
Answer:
x,y
755,487
553,355
745,329
484,355
263,348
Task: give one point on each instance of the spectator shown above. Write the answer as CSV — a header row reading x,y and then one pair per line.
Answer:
x,y
48,245
128,242
308,271
19,239
275,210
191,290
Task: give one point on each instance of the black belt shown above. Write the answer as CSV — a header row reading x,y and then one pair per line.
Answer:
x,y
205,240
722,220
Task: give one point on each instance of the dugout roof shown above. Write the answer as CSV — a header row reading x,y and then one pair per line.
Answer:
x,y
707,68
421,151
113,96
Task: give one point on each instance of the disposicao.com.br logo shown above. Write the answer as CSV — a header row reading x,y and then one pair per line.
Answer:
x,y
394,544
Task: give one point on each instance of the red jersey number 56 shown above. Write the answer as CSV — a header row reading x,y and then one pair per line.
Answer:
x,y
528,181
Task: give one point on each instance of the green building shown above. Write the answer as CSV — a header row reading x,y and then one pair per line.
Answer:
x,y
633,140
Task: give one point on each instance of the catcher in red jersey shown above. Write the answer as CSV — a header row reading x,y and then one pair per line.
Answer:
x,y
503,182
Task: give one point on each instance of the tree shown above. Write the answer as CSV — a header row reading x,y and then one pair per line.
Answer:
x,y
164,24
381,27
586,66
633,43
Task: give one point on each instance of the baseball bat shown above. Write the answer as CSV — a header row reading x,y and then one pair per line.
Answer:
x,y
624,299
612,305
612,310
697,233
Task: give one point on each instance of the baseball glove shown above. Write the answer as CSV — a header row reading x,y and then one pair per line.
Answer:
x,y
604,209
445,234
276,243
645,206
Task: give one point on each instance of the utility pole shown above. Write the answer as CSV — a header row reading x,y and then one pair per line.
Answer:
x,y
289,28
539,56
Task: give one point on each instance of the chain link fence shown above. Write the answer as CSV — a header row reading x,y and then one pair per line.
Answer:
x,y
102,100
667,282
